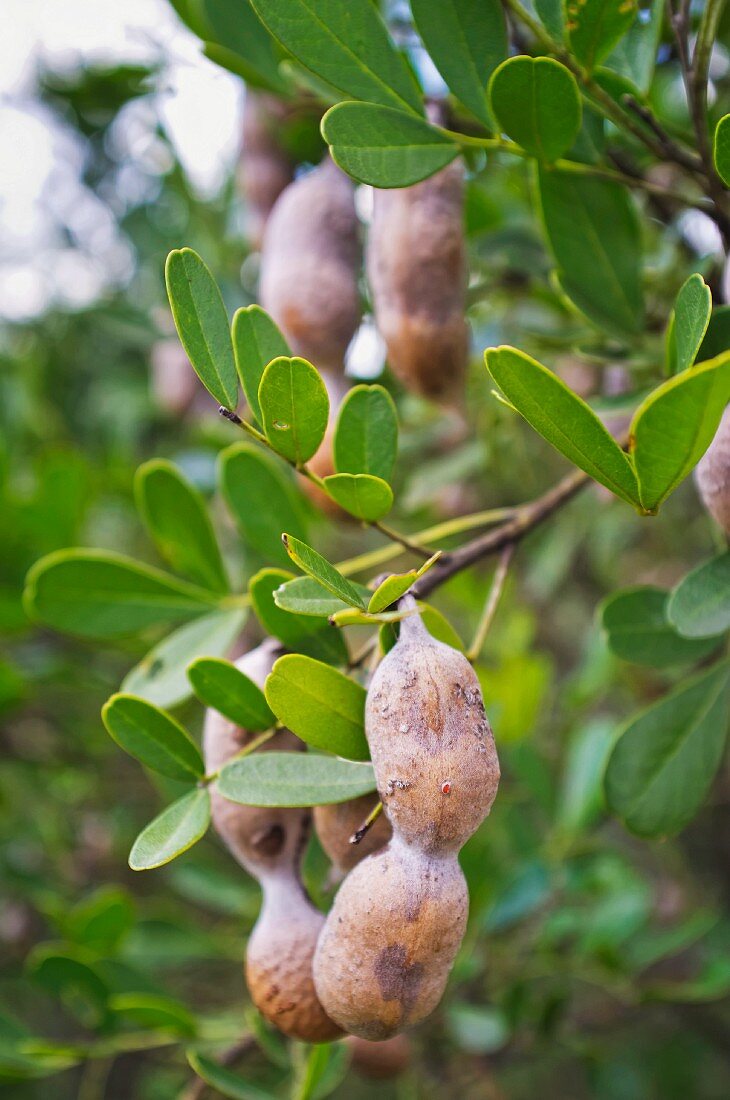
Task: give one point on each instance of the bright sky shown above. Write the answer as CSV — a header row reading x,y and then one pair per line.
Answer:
x,y
198,104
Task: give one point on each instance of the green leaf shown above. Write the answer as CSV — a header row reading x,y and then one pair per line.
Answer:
x,y
594,236
305,596
366,435
153,737
634,56
256,342
294,779
536,102
717,337
638,630
224,1080
344,42
262,499
222,686
581,796
552,17
595,26
175,515
320,705
466,42
202,324
294,408
688,323
563,418
674,426
722,149
664,762
301,633
699,606
317,567
233,25
99,594
385,148
366,497
172,832
70,974
160,676
153,1012
396,585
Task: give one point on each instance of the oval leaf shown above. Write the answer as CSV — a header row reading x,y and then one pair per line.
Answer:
x,y
224,1080
301,633
395,586
675,425
153,737
366,435
594,236
385,148
319,704
700,604
256,342
222,686
562,418
311,562
345,42
688,323
294,779
160,676
595,26
466,42
175,515
99,594
537,103
663,764
174,831
366,497
202,324
305,596
722,149
262,499
294,408
638,630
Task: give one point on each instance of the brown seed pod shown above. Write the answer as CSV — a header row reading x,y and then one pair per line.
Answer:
x,y
265,168
416,266
380,1061
268,843
336,823
712,475
386,949
310,261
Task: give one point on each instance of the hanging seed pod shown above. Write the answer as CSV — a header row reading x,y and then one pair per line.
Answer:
x,y
712,475
268,842
387,947
416,266
310,263
336,824
265,167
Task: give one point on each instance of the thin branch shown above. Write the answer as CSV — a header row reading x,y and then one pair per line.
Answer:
x,y
697,78
402,540
367,824
510,533
492,602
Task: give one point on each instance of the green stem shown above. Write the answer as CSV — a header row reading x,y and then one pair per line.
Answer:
x,y
245,751
491,603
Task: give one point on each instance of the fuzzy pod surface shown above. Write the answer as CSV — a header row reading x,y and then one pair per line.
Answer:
x,y
387,947
712,475
310,263
416,267
269,842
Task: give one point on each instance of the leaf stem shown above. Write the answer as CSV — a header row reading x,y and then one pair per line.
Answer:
x,y
367,824
402,540
245,751
492,602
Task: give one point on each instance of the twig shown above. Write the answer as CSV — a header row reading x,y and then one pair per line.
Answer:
x,y
197,1088
367,824
402,540
510,533
697,77
492,602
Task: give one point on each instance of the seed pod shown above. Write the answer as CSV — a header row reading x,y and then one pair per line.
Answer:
x,y
386,949
416,266
336,823
268,842
712,475
310,263
265,168
380,1061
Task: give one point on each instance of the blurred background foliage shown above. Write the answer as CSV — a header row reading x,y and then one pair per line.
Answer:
x,y
595,965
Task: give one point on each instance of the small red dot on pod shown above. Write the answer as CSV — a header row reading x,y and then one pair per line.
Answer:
x,y
446,787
